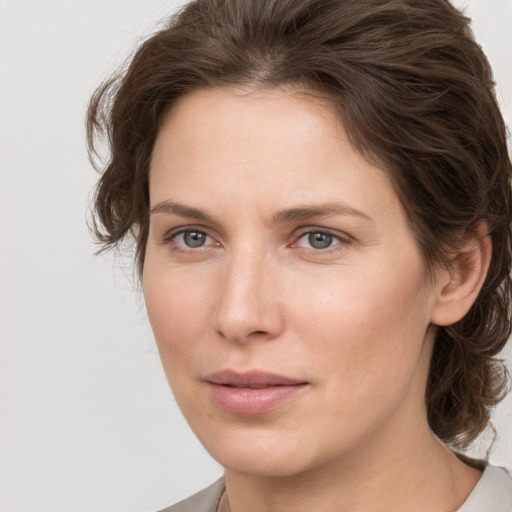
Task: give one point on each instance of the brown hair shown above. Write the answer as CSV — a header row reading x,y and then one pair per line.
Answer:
x,y
415,92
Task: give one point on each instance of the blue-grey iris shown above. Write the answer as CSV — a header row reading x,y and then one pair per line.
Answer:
x,y
320,240
194,238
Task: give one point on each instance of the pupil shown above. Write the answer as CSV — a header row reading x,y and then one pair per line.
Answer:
x,y
320,240
194,238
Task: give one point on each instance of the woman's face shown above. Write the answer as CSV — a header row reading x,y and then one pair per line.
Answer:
x,y
286,293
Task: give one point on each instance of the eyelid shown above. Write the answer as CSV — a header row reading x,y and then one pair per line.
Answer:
x,y
343,238
318,229
174,232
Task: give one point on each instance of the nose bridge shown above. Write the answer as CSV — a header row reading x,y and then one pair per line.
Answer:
x,y
247,301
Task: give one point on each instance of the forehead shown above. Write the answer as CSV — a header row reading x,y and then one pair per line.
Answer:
x,y
241,154
241,129
238,112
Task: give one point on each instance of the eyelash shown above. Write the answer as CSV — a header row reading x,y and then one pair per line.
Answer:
x,y
169,239
342,240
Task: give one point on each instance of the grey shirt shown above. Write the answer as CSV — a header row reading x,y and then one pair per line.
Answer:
x,y
493,493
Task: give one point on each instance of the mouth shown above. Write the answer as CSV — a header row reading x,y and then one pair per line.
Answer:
x,y
252,393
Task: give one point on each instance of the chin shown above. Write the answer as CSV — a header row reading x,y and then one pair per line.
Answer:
x,y
263,454
280,465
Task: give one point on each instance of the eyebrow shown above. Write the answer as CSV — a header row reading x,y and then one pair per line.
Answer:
x,y
301,212
181,210
321,210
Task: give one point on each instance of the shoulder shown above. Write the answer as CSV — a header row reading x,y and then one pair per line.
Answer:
x,y
206,500
493,492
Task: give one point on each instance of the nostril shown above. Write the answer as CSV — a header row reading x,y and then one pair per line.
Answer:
x,y
241,319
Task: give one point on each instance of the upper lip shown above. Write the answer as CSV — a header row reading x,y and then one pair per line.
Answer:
x,y
251,379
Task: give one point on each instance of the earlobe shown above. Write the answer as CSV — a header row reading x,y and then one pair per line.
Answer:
x,y
462,282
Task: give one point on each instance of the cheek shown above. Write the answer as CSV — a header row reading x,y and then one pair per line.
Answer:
x,y
178,310
367,328
365,340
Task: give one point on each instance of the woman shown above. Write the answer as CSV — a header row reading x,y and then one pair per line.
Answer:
x,y
319,191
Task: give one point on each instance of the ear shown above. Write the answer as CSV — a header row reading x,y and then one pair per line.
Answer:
x,y
460,284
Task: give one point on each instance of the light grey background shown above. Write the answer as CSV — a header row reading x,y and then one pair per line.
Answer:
x,y
86,420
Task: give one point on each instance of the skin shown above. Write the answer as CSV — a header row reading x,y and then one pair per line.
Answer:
x,y
355,320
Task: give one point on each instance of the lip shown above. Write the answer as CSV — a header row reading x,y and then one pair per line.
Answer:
x,y
252,393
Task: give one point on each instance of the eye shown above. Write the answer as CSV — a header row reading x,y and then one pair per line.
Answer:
x,y
191,239
318,240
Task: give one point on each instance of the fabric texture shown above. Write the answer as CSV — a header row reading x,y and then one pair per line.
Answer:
x,y
492,493
206,500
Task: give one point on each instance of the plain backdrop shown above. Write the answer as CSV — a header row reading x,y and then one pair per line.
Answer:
x,y
87,422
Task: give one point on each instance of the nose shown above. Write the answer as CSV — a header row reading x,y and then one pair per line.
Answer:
x,y
249,306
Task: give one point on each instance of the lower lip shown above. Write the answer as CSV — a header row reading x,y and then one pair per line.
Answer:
x,y
249,402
